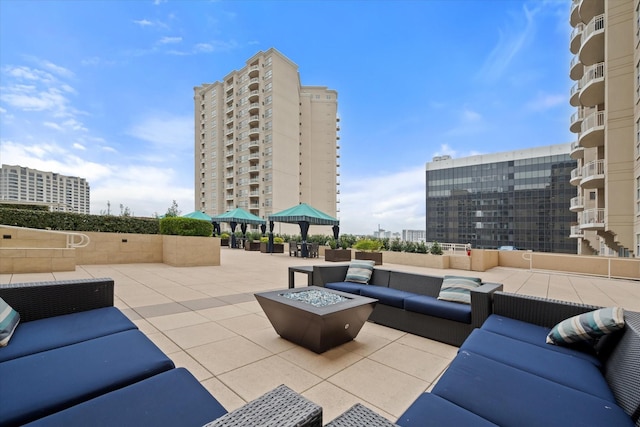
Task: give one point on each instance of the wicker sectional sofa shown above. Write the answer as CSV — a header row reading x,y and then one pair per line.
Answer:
x,y
408,302
505,374
75,359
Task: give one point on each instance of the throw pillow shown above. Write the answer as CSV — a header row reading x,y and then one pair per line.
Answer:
x,y
9,319
587,326
458,288
360,271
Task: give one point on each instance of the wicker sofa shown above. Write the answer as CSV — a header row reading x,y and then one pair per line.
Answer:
x,y
505,374
75,359
408,302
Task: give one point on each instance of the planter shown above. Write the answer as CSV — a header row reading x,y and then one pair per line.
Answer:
x,y
278,248
224,242
371,256
337,255
252,246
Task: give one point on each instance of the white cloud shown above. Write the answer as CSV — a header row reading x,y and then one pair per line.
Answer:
x,y
545,101
53,126
78,146
143,22
168,40
394,201
175,132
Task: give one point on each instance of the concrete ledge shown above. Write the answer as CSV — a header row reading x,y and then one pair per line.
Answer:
x,y
36,260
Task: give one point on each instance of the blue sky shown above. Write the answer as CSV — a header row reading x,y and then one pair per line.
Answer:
x,y
104,89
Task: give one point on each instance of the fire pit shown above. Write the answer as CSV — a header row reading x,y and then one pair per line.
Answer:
x,y
316,318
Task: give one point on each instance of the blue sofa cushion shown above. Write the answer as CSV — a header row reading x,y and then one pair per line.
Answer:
x,y
352,288
564,369
431,410
506,395
9,319
387,296
587,326
171,398
53,332
434,307
533,334
43,383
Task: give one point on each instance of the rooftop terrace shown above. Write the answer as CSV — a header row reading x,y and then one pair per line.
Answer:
x,y
207,320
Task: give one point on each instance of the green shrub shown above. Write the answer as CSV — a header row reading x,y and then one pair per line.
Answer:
x,y
264,240
368,245
333,244
409,247
180,226
396,245
436,249
279,240
68,221
224,236
421,248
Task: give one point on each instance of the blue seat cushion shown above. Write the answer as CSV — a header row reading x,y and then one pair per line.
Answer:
x,y
387,296
431,410
509,396
565,369
43,383
434,307
53,332
350,287
171,398
533,334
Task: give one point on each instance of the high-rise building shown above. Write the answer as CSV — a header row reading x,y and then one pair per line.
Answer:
x,y
517,198
416,236
606,94
264,142
61,193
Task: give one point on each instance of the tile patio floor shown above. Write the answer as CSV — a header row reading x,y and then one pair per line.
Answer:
x,y
207,320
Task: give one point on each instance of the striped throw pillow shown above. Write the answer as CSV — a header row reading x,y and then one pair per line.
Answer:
x,y
9,319
360,271
458,288
587,326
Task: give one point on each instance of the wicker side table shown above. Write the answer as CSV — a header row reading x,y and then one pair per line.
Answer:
x,y
359,416
281,407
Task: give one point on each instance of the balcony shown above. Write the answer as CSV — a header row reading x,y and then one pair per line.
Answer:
x,y
576,69
254,70
254,120
574,16
593,175
576,38
229,131
592,219
576,232
254,108
574,97
253,96
576,176
592,83
576,204
577,151
576,120
592,128
253,83
588,9
592,49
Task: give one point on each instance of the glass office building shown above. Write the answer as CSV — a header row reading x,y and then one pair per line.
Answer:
x,y
518,198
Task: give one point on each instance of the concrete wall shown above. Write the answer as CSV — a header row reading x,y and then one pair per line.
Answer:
x,y
37,251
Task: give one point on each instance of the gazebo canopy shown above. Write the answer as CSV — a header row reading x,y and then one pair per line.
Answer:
x,y
303,213
239,216
198,215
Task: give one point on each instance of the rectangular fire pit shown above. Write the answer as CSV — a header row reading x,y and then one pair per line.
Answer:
x,y
316,318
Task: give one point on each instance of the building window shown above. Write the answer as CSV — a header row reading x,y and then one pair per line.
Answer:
x,y
268,74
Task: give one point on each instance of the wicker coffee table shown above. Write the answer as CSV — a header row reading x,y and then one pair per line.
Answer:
x,y
281,407
325,320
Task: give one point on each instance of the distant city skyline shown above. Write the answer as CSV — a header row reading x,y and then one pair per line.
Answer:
x,y
104,89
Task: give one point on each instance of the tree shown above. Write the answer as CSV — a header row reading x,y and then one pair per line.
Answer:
x,y
125,211
173,210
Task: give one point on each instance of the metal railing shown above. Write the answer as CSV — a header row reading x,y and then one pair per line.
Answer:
x,y
595,25
83,239
592,120
592,73
595,167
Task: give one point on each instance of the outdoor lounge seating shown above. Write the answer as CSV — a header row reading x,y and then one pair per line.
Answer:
x,y
74,359
505,374
408,302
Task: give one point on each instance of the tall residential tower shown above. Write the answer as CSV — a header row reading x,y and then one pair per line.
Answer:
x,y
264,142
606,94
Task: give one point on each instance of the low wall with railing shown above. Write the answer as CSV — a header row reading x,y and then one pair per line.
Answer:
x,y
25,250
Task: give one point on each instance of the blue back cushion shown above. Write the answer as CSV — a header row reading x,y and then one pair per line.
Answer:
x,y
350,287
43,383
171,398
532,334
562,368
53,332
506,395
